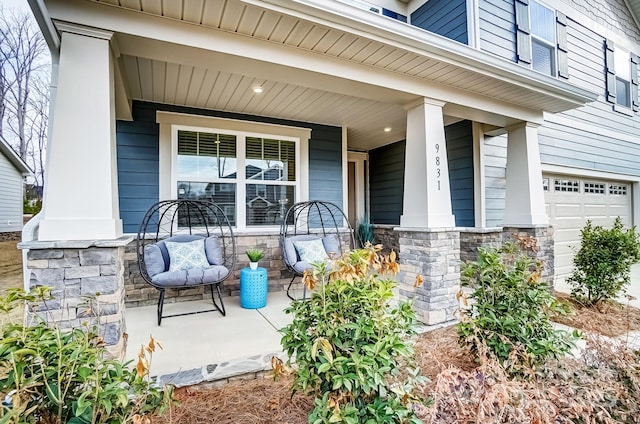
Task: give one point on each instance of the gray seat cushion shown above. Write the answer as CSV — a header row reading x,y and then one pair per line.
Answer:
x,y
153,260
331,244
301,266
191,277
156,256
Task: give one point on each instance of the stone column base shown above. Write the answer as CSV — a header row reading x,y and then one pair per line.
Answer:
x,y
435,255
540,241
87,285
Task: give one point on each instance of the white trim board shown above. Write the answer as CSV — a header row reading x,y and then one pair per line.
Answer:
x,y
588,173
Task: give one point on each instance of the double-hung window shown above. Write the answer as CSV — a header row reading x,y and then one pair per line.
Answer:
x,y
253,177
621,78
541,38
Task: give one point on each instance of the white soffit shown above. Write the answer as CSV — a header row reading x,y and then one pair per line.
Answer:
x,y
152,76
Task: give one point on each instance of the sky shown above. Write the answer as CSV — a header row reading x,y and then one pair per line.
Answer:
x,y
13,4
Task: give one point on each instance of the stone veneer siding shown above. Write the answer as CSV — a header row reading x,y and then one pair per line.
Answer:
x,y
387,236
435,255
472,238
544,237
76,270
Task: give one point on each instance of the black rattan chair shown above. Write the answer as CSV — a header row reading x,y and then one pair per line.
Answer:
x,y
308,222
189,226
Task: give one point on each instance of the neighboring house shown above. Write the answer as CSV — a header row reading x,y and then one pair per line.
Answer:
x,y
452,123
12,173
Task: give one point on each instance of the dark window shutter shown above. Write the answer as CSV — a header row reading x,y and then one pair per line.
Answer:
x,y
561,34
523,32
635,104
610,71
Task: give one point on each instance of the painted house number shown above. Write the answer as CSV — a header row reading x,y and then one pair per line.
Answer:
x,y
437,146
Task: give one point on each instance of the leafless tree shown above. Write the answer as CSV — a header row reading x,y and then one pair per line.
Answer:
x,y
24,76
38,123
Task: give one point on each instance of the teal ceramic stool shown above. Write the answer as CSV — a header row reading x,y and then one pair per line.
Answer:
x,y
253,288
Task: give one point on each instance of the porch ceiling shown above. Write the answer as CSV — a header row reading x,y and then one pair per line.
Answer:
x,y
210,88
322,65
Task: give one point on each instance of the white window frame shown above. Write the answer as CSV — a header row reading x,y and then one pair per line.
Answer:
x,y
553,45
241,181
171,122
623,73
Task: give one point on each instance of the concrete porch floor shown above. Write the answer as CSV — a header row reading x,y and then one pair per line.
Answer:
x,y
209,346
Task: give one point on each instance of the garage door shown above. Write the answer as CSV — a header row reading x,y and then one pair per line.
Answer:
x,y
571,201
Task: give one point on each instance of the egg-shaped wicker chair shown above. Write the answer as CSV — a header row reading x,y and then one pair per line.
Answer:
x,y
184,244
312,231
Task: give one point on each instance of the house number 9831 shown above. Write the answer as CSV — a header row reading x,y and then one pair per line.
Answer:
x,y
437,146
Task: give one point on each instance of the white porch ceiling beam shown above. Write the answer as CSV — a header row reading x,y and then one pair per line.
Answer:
x,y
123,99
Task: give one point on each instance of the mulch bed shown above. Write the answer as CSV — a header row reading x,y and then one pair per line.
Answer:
x,y
609,319
263,401
260,401
464,391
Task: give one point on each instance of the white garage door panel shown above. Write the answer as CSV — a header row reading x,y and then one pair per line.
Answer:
x,y
569,211
566,237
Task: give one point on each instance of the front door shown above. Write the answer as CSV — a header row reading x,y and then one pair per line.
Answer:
x,y
356,210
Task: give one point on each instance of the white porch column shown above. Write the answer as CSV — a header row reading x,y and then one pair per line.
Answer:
x,y
524,204
427,198
81,193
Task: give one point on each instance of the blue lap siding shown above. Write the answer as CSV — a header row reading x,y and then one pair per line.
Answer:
x,y
460,158
138,172
386,183
138,165
443,17
386,179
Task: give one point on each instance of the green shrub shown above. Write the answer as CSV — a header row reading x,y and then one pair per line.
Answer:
x,y
602,265
29,208
353,350
51,376
509,310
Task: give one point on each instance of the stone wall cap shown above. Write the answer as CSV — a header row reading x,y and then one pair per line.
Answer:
x,y
75,244
387,226
532,226
427,230
480,230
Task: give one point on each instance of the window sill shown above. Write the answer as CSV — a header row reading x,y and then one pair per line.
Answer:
x,y
623,109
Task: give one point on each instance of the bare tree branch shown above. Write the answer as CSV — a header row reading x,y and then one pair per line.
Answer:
x,y
24,92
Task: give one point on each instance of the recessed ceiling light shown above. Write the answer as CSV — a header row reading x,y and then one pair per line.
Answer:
x,y
387,129
257,89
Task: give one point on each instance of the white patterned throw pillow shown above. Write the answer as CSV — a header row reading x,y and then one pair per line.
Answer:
x,y
310,251
187,255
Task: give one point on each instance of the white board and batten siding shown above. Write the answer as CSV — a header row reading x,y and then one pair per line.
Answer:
x,y
11,186
571,201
